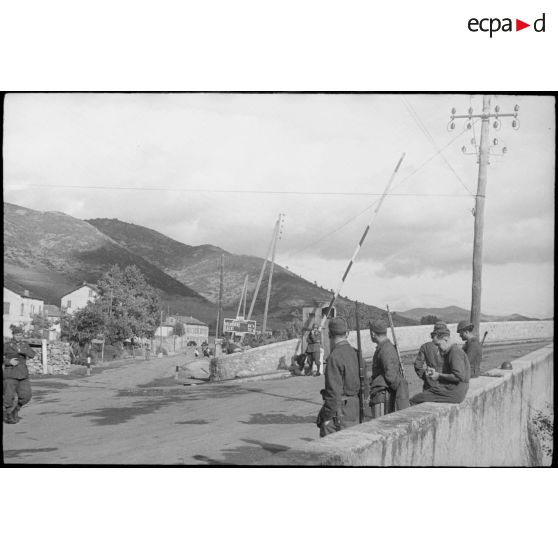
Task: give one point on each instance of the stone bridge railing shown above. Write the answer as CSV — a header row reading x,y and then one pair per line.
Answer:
x,y
276,357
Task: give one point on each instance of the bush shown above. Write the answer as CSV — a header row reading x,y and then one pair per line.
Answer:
x,y
161,350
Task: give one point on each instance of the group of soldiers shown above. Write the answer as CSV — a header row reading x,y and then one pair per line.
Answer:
x,y
444,367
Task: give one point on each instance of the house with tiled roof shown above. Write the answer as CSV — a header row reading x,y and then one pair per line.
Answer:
x,y
195,330
20,305
79,297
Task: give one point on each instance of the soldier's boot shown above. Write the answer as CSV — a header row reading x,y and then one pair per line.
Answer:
x,y
10,419
15,415
5,415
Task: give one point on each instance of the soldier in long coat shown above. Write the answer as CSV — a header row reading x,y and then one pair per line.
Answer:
x,y
472,346
389,390
313,349
453,382
342,383
15,376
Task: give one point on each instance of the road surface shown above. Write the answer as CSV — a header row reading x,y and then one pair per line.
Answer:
x,y
137,413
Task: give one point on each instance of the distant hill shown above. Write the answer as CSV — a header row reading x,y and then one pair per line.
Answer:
x,y
50,253
454,314
198,267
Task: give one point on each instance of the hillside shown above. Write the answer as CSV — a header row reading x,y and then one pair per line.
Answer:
x,y
50,253
198,267
453,314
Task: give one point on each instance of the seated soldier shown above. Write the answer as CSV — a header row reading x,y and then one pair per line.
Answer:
x,y
453,382
472,346
429,359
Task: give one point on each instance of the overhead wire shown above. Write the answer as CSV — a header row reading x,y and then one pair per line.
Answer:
x,y
422,127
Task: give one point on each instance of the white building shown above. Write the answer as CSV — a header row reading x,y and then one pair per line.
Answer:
x,y
19,307
79,297
194,329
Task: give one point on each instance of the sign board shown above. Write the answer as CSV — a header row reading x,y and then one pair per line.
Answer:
x,y
231,325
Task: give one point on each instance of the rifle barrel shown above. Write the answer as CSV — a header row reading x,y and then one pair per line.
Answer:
x,y
360,368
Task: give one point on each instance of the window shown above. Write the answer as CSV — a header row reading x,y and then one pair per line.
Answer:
x,y
69,304
91,293
6,307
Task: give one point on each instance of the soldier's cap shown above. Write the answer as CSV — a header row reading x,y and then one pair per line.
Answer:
x,y
337,326
464,324
378,326
441,330
17,329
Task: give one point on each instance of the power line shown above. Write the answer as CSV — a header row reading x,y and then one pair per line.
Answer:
x,y
429,137
219,191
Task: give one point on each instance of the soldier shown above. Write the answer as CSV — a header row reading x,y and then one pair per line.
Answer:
x,y
313,349
453,381
342,384
388,388
17,388
472,346
429,359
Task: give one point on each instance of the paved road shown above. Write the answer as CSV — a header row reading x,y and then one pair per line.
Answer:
x,y
116,416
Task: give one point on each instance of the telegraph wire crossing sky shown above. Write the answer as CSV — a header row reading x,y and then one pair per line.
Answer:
x,y
218,168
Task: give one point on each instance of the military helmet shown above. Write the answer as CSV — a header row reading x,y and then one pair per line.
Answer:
x,y
506,365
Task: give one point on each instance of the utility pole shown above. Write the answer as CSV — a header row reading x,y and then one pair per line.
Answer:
x,y
220,302
483,160
161,332
242,297
257,290
278,231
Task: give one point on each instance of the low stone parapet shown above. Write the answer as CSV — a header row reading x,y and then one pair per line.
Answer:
x,y
58,359
492,427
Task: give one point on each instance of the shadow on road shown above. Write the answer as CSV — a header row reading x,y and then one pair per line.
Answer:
x,y
9,454
278,418
244,455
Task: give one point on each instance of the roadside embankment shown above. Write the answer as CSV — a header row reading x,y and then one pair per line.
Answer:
x,y
490,428
269,359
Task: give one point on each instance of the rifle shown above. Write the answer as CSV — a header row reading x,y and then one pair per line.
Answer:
x,y
395,341
484,337
360,369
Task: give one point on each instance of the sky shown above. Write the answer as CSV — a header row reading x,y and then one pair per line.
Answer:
x,y
219,168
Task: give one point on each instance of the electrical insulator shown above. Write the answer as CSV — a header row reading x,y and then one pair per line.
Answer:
x,y
452,125
469,125
496,124
470,111
516,108
496,108
453,111
504,150
495,141
463,149
514,123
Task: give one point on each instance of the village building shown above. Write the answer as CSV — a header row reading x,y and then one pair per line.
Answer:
x,y
20,305
53,314
194,329
79,297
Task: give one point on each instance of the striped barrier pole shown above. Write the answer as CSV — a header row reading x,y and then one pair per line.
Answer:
x,y
334,298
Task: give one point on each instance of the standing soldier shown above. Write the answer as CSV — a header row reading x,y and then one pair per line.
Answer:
x,y
342,383
472,346
313,349
17,388
388,389
429,359
453,382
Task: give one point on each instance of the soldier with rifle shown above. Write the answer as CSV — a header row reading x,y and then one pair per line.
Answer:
x,y
472,346
16,384
340,409
389,390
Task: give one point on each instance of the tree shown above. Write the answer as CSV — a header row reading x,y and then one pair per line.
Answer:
x,y
85,324
178,329
130,304
429,319
40,325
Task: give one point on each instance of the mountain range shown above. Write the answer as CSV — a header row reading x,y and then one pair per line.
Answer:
x,y
50,253
454,314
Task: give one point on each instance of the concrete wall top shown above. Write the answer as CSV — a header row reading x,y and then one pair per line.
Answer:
x,y
487,429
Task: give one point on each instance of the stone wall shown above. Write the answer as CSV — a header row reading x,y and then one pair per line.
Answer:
x,y
278,356
261,360
58,359
490,428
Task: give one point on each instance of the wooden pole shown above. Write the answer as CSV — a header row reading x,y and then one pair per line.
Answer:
x,y
220,303
242,297
264,324
484,154
275,229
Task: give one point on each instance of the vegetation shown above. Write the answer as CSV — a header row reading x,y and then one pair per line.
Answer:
x,y
126,309
428,320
